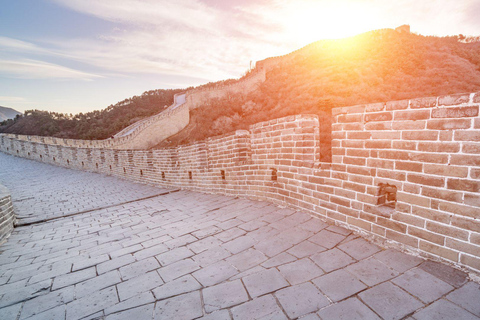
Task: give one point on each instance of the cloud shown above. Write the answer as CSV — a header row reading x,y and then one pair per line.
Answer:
x,y
12,99
34,69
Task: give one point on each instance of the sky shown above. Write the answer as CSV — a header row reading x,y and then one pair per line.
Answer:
x,y
74,56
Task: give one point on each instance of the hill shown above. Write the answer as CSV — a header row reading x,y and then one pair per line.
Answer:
x,y
8,113
92,125
377,66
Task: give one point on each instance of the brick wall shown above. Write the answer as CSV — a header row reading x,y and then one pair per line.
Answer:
x,y
404,173
7,217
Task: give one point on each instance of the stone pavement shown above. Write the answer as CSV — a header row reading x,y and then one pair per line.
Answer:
x,y
186,255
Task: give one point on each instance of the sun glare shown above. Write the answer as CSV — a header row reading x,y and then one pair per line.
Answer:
x,y
311,21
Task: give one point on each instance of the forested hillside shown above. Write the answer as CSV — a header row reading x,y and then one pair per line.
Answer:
x,y
373,67
92,125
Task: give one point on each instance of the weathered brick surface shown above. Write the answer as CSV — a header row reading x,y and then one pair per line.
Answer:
x,y
426,148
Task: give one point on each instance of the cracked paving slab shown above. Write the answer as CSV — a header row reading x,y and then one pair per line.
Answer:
x,y
188,255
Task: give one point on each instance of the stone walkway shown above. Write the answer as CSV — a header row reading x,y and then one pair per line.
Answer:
x,y
186,255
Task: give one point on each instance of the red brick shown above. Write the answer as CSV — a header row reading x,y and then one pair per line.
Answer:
x,y
378,126
391,174
409,125
405,145
439,251
465,160
447,230
449,124
385,135
471,148
409,166
420,135
463,185
374,107
350,118
358,135
393,225
378,144
351,126
402,238
476,123
470,261
476,97
442,194
426,235
459,209
413,199
394,154
455,112
354,161
445,135
429,157
463,247
412,115
358,153
379,116
361,170
423,102
380,163
449,147
468,135
474,173
354,186
466,223
352,143
472,199
408,219
397,105
359,223
426,180
430,214
340,201
453,99
475,238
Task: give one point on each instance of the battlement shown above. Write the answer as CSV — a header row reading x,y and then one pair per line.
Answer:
x,y
404,173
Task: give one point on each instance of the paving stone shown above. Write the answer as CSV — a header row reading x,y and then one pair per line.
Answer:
x,y
54,313
423,285
274,246
45,302
327,239
135,301
371,271
278,260
446,273
467,297
138,268
398,260
359,248
174,255
115,263
137,285
248,272
143,312
127,251
215,273
339,230
230,234
178,269
332,259
92,303
305,249
314,225
210,256
300,271
224,295
174,308
264,282
239,244
205,232
217,315
204,244
350,309
25,293
89,262
103,281
73,277
176,287
10,312
247,259
181,241
150,252
265,307
291,221
339,285
386,298
443,309
301,299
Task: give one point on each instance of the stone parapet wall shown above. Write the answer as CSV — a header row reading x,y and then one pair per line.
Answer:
x,y
404,173
7,217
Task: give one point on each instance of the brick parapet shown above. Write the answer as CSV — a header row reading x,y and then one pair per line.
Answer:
x,y
428,150
7,216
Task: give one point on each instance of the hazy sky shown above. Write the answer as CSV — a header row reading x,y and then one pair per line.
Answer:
x,y
79,55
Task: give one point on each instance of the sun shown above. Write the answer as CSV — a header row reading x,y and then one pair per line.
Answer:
x,y
309,21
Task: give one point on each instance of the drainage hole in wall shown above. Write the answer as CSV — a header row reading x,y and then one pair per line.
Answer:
x,y
222,172
124,170
190,175
141,172
68,161
163,175
96,165
274,174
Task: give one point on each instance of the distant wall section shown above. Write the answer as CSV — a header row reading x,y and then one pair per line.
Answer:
x,y
7,217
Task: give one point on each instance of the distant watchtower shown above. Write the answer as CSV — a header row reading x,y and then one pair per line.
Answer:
x,y
403,29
